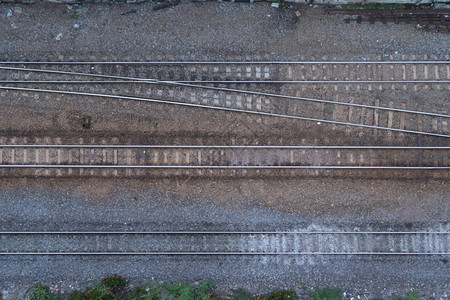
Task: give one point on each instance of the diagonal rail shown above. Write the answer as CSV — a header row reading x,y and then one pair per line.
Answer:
x,y
225,81
221,108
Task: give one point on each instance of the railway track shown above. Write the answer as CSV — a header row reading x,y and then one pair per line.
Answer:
x,y
427,19
376,73
200,160
225,243
218,85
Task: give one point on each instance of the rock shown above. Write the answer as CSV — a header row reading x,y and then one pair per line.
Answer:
x,y
76,26
9,13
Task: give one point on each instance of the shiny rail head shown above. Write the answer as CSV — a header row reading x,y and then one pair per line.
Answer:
x,y
220,62
223,253
227,167
230,167
254,147
222,232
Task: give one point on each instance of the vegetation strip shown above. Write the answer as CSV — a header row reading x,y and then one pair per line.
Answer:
x,y
116,287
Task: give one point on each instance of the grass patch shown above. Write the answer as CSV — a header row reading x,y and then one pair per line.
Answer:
x,y
115,281
109,288
326,294
283,295
115,287
241,294
75,15
410,296
42,292
175,291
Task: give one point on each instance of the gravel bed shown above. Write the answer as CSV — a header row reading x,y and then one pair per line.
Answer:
x,y
202,31
216,204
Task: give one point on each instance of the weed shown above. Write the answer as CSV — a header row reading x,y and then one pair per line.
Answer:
x,y
75,15
136,293
242,294
115,281
183,291
283,295
42,292
149,293
204,290
326,294
96,292
410,296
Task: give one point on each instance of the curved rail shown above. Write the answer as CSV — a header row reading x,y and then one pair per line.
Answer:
x,y
178,83
223,109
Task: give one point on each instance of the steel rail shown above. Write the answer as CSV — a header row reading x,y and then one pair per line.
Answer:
x,y
223,167
221,108
224,253
219,62
229,81
213,232
227,147
176,83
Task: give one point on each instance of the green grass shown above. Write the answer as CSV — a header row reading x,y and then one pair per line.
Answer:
x,y
283,295
410,296
42,292
75,15
326,294
172,291
115,287
242,294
